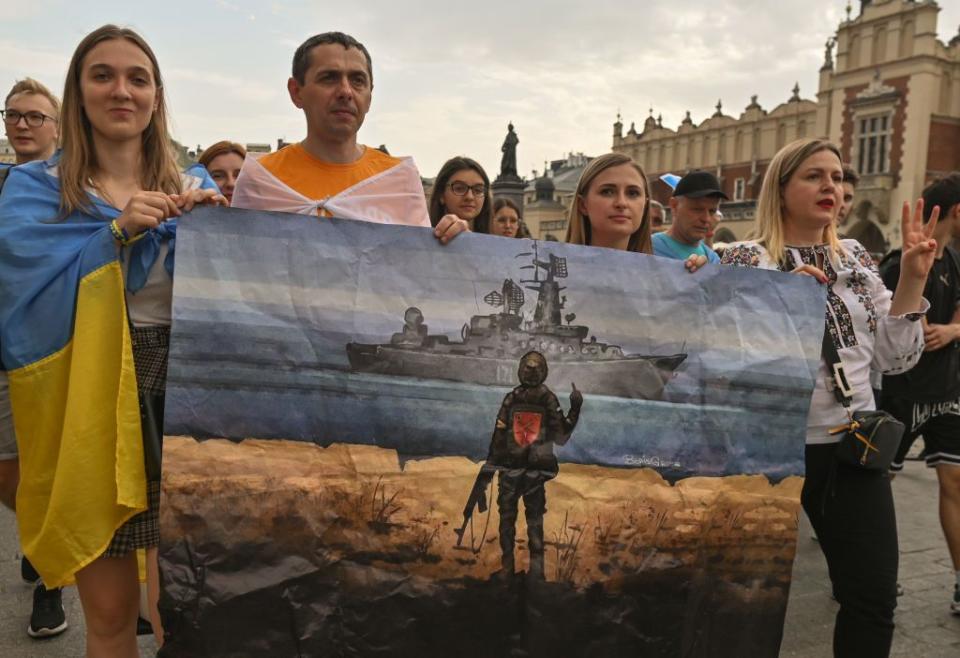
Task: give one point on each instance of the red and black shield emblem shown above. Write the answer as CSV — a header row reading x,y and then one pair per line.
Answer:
x,y
526,427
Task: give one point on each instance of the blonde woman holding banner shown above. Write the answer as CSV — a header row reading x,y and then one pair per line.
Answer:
x,y
612,208
851,508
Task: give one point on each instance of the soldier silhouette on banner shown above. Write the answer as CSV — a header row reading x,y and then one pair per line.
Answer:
x,y
530,422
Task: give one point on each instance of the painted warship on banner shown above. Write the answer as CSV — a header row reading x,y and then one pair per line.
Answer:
x,y
490,345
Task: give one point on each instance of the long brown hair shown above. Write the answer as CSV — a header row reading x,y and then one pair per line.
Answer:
x,y
78,160
481,223
578,224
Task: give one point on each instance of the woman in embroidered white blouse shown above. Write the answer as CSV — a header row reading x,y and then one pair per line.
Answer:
x,y
851,509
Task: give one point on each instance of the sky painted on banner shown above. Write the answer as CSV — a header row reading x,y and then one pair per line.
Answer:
x,y
449,76
265,305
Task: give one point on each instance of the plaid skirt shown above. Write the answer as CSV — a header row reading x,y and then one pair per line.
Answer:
x,y
142,530
151,346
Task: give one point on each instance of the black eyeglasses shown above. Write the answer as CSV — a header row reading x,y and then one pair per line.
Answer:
x,y
32,119
460,189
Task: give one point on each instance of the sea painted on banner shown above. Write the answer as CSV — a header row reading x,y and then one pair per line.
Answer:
x,y
349,468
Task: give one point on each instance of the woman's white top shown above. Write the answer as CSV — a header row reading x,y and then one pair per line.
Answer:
x,y
858,317
151,306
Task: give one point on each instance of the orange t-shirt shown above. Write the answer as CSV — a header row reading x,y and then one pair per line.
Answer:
x,y
316,179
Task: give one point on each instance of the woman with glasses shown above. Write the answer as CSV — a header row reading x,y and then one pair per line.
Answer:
x,y
507,219
462,189
86,260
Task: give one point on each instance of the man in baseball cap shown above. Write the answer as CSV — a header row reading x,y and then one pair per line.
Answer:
x,y
694,205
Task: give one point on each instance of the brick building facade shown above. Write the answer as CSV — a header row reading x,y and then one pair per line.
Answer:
x,y
889,96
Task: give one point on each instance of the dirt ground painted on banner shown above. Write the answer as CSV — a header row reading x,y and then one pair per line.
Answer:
x,y
366,546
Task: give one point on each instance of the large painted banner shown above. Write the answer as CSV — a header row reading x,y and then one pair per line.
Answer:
x,y
380,446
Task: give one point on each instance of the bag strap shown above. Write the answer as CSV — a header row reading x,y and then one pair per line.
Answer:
x,y
828,351
841,385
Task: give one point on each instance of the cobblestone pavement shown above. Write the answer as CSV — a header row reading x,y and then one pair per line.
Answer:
x,y
924,625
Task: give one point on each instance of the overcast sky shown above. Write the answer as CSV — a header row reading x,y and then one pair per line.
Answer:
x,y
450,76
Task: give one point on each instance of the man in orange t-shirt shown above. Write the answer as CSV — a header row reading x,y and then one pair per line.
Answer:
x,y
332,83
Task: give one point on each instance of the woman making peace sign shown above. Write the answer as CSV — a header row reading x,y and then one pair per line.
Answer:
x,y
851,509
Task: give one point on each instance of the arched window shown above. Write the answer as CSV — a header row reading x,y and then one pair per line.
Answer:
x,y
869,235
853,55
906,39
878,50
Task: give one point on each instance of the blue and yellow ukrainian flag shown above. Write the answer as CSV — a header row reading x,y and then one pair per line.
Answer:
x,y
65,341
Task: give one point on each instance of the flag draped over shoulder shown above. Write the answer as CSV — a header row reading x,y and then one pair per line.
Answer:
x,y
394,196
65,340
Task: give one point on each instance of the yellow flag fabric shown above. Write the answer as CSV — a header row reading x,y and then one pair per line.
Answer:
x,y
65,342
86,467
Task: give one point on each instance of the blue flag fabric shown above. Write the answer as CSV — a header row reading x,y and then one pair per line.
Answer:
x,y
64,338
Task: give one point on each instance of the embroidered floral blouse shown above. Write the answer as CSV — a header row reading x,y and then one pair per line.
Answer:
x,y
857,316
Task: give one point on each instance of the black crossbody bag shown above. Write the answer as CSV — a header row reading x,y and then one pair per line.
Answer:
x,y
870,439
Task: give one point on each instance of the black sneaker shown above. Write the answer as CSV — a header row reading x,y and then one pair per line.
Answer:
x,y
955,604
27,572
47,618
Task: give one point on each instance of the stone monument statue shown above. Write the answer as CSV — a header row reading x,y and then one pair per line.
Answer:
x,y
509,184
508,163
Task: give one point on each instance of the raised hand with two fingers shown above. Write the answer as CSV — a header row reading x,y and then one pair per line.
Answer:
x,y
919,247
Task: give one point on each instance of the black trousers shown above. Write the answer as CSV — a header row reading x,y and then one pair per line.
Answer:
x,y
852,512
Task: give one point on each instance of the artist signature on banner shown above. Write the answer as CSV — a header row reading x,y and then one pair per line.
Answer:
x,y
651,461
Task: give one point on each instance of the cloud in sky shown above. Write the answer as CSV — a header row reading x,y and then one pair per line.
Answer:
x,y
449,77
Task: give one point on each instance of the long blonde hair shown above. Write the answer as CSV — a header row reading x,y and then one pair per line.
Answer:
x,y
578,224
768,229
78,161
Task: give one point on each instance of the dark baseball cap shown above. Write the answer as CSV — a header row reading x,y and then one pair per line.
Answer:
x,y
699,184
